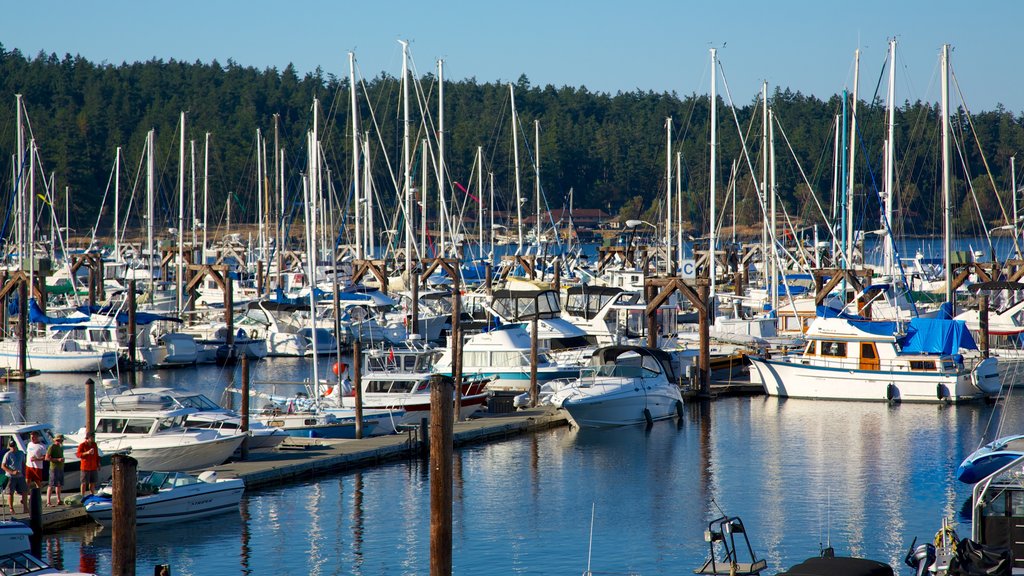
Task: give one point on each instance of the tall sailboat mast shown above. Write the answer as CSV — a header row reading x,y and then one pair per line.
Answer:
x,y
887,227
150,193
947,205
357,197
853,157
117,203
668,192
712,236
179,269
515,154
443,204
536,166
406,150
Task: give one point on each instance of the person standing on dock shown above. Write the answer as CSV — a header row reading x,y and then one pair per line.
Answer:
x,y
55,456
89,462
13,464
36,460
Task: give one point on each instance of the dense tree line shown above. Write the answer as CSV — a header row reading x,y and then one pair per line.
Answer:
x,y
609,149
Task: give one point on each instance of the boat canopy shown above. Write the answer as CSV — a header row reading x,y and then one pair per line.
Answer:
x,y
609,354
937,336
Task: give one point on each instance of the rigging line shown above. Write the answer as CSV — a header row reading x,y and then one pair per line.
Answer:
x,y
888,228
380,137
974,197
103,201
814,196
773,239
984,159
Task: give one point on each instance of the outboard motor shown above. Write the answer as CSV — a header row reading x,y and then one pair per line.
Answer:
x,y
921,557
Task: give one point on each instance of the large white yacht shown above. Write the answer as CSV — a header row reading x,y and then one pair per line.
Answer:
x,y
856,359
159,440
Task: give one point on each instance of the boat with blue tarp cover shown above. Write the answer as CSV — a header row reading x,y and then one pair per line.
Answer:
x,y
852,358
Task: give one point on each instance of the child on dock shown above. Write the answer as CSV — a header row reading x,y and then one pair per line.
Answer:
x,y
55,456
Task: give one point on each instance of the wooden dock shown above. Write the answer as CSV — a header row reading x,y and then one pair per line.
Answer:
x,y
305,458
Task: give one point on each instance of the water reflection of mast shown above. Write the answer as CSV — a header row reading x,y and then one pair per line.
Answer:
x,y
535,467
23,400
243,509
357,522
702,412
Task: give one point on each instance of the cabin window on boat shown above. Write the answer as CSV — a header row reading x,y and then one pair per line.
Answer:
x,y
475,359
922,364
508,359
99,336
812,348
112,425
409,363
168,423
837,349
138,426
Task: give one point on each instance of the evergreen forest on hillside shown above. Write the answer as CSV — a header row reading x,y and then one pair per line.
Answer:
x,y
609,149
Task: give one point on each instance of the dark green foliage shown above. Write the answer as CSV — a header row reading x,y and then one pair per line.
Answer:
x,y
609,148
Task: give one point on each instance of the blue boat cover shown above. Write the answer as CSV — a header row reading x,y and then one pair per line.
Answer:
x,y
37,316
937,336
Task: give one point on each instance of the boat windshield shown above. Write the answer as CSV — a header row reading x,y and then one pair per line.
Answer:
x,y
20,563
198,401
619,371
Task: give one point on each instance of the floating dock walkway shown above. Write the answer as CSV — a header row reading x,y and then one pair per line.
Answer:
x,y
303,458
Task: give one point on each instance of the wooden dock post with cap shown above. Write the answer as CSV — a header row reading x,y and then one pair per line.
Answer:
x,y
442,428
123,522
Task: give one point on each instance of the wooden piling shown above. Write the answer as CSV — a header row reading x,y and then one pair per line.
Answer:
x,y
35,521
229,313
244,416
704,361
983,324
441,447
357,382
652,317
457,345
90,406
489,278
123,523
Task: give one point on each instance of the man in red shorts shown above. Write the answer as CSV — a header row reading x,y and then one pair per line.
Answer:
x,y
36,452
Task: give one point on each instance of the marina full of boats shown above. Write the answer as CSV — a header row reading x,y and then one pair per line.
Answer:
x,y
618,337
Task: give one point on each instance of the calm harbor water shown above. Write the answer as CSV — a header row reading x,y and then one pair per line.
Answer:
x,y
867,476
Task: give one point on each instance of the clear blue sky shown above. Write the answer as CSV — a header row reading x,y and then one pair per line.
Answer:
x,y
605,45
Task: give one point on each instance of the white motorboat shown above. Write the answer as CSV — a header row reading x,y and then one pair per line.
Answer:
x,y
209,414
286,328
622,385
172,497
503,355
57,354
399,379
159,440
855,359
15,556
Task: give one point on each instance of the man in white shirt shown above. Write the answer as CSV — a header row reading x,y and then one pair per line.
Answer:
x,y
36,461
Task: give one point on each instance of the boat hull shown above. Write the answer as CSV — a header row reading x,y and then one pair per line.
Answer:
x,y
180,457
794,380
621,405
182,503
